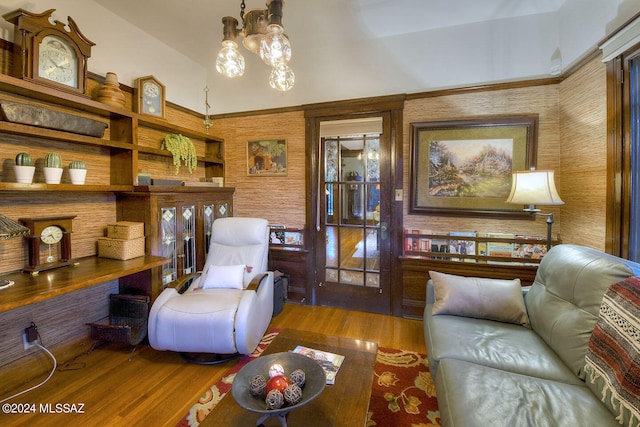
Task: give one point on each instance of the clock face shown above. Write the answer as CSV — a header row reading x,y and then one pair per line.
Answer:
x,y
58,61
51,235
151,99
151,90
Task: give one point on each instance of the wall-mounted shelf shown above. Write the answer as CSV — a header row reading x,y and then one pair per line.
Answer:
x,y
129,135
12,186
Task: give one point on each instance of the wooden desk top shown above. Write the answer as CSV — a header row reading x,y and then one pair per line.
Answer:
x,y
86,272
343,404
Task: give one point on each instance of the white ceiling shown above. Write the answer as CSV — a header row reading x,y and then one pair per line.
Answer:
x,y
194,27
342,49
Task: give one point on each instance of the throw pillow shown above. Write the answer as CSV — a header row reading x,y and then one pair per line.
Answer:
x,y
223,276
477,297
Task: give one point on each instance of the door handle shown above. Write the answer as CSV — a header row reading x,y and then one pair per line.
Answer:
x,y
384,228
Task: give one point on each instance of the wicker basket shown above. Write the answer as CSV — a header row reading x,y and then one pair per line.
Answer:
x,y
125,230
120,248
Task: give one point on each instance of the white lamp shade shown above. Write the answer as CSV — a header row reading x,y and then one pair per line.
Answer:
x,y
534,188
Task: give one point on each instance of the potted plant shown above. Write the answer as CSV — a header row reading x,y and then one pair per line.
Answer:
x,y
77,172
181,148
52,168
24,168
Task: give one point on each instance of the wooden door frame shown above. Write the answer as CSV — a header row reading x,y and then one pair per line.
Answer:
x,y
619,153
316,113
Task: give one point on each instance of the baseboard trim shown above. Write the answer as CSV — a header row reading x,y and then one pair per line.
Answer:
x,y
34,367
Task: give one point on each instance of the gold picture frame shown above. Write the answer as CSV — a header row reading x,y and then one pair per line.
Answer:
x,y
463,168
149,97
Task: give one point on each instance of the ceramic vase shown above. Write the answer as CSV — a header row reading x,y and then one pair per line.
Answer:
x,y
110,92
24,174
52,175
77,176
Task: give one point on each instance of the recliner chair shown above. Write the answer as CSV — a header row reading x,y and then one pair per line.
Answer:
x,y
226,308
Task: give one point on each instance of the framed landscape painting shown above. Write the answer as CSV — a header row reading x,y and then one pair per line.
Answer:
x,y
463,168
267,158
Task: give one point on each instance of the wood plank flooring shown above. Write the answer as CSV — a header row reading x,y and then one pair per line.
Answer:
x,y
157,388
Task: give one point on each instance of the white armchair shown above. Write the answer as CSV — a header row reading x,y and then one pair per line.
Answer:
x,y
226,308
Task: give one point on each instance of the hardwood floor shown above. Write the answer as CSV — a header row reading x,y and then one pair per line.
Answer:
x,y
157,388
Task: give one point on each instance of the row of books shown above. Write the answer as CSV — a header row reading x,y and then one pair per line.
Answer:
x,y
417,242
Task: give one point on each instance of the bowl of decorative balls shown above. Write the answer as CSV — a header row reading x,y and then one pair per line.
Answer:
x,y
276,384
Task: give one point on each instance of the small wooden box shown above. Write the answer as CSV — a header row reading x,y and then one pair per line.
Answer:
x,y
120,248
125,230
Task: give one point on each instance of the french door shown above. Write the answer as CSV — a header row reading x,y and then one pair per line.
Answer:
x,y
352,240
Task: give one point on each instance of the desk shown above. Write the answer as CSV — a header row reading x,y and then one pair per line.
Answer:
x,y
142,275
343,404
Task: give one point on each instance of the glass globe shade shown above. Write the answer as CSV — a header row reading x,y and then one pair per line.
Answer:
x,y
229,61
282,77
275,47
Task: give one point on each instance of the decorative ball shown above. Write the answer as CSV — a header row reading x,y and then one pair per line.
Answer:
x,y
275,370
274,399
298,377
258,385
292,394
279,382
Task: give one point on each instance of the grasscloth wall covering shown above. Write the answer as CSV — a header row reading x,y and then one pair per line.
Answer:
x,y
280,200
571,140
541,100
583,153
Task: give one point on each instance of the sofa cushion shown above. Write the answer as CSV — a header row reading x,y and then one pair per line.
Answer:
x,y
479,297
564,300
495,344
473,395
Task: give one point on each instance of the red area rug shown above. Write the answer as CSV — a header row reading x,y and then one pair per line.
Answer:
x,y
403,392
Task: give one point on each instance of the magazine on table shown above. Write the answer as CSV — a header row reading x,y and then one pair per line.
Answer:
x,y
330,362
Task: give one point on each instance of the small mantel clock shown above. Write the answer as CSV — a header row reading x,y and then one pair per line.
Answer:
x,y
53,234
47,53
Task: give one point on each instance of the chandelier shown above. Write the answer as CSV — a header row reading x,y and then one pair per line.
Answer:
x,y
263,35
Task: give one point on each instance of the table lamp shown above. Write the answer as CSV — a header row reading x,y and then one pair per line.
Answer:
x,y
532,188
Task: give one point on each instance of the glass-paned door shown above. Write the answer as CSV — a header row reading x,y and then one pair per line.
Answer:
x,y
351,223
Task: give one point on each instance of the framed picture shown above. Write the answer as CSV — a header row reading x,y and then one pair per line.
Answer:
x,y
463,168
149,97
267,158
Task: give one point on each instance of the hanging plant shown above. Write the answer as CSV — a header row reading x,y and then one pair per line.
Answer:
x,y
182,149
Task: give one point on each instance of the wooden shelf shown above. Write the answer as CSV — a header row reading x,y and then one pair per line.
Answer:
x,y
181,189
12,186
165,153
164,126
126,130
34,91
56,135
87,272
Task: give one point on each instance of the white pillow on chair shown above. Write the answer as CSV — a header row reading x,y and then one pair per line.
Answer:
x,y
223,276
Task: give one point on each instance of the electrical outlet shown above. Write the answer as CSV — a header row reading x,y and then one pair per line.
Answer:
x,y
29,336
25,341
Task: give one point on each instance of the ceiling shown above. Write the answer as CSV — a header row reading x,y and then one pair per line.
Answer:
x,y
349,49
194,27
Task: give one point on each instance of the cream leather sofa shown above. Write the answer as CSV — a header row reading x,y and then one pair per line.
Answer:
x,y
522,371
